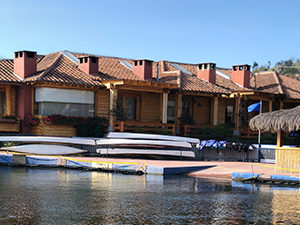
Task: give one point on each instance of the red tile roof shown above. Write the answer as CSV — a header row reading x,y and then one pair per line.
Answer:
x,y
6,71
59,68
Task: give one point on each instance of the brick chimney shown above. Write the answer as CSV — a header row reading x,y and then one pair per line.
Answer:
x,y
143,68
241,75
25,63
207,71
88,64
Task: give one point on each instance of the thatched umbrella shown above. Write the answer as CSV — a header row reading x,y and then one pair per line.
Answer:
x,y
280,120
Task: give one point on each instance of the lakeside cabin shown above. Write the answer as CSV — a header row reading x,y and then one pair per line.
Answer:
x,y
171,97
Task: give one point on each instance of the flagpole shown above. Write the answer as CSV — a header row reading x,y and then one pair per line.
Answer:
x,y
259,144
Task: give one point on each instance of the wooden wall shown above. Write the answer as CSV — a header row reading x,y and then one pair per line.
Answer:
x,y
202,110
10,92
102,103
288,158
10,127
150,107
53,130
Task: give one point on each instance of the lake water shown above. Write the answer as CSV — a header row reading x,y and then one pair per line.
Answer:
x,y
60,196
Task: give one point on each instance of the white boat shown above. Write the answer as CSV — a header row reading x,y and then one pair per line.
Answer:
x,y
117,135
41,149
47,139
143,142
127,151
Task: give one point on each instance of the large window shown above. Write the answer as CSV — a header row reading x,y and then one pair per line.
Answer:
x,y
66,102
2,104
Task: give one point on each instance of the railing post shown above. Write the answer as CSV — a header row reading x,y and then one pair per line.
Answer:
x,y
174,129
122,126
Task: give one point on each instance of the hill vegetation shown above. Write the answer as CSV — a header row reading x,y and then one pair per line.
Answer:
x,y
288,67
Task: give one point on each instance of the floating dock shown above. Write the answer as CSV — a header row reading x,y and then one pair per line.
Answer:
x,y
93,163
261,178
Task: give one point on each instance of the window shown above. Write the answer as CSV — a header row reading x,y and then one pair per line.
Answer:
x,y
66,102
130,106
171,111
2,104
229,114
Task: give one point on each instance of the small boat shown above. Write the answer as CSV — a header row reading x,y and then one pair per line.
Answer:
x,y
41,149
113,135
131,151
143,142
47,139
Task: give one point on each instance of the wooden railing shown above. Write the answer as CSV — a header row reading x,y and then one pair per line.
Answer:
x,y
246,131
149,127
187,130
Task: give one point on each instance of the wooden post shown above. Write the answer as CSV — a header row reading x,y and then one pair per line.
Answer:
x,y
237,112
113,94
270,105
279,138
281,105
179,108
164,107
122,126
215,111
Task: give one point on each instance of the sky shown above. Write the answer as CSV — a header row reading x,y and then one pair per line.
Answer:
x,y
226,32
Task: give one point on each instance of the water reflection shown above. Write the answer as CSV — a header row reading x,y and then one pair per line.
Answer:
x,y
59,196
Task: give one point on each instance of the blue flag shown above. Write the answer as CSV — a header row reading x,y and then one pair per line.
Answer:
x,y
254,107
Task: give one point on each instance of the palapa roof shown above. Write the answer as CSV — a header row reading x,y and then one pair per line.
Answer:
x,y
284,119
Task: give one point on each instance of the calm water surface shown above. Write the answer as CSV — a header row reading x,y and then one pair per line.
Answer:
x,y
59,196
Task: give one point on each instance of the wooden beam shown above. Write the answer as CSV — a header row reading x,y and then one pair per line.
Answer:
x,y
164,107
214,111
279,138
179,107
141,89
237,112
270,105
113,94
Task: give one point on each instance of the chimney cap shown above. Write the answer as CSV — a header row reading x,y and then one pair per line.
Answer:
x,y
241,65
149,60
208,65
26,51
87,56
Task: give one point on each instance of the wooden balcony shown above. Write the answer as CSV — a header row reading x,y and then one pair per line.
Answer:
x,y
147,127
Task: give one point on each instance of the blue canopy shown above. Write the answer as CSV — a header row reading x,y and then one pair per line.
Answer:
x,y
254,107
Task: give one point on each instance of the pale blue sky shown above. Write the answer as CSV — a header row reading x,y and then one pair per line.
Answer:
x,y
226,32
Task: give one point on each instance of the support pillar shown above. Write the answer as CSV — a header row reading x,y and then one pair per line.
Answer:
x,y
281,105
179,107
270,105
113,94
164,107
214,111
237,112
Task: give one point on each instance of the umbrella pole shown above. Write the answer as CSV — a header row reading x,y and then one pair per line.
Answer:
x,y
259,144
